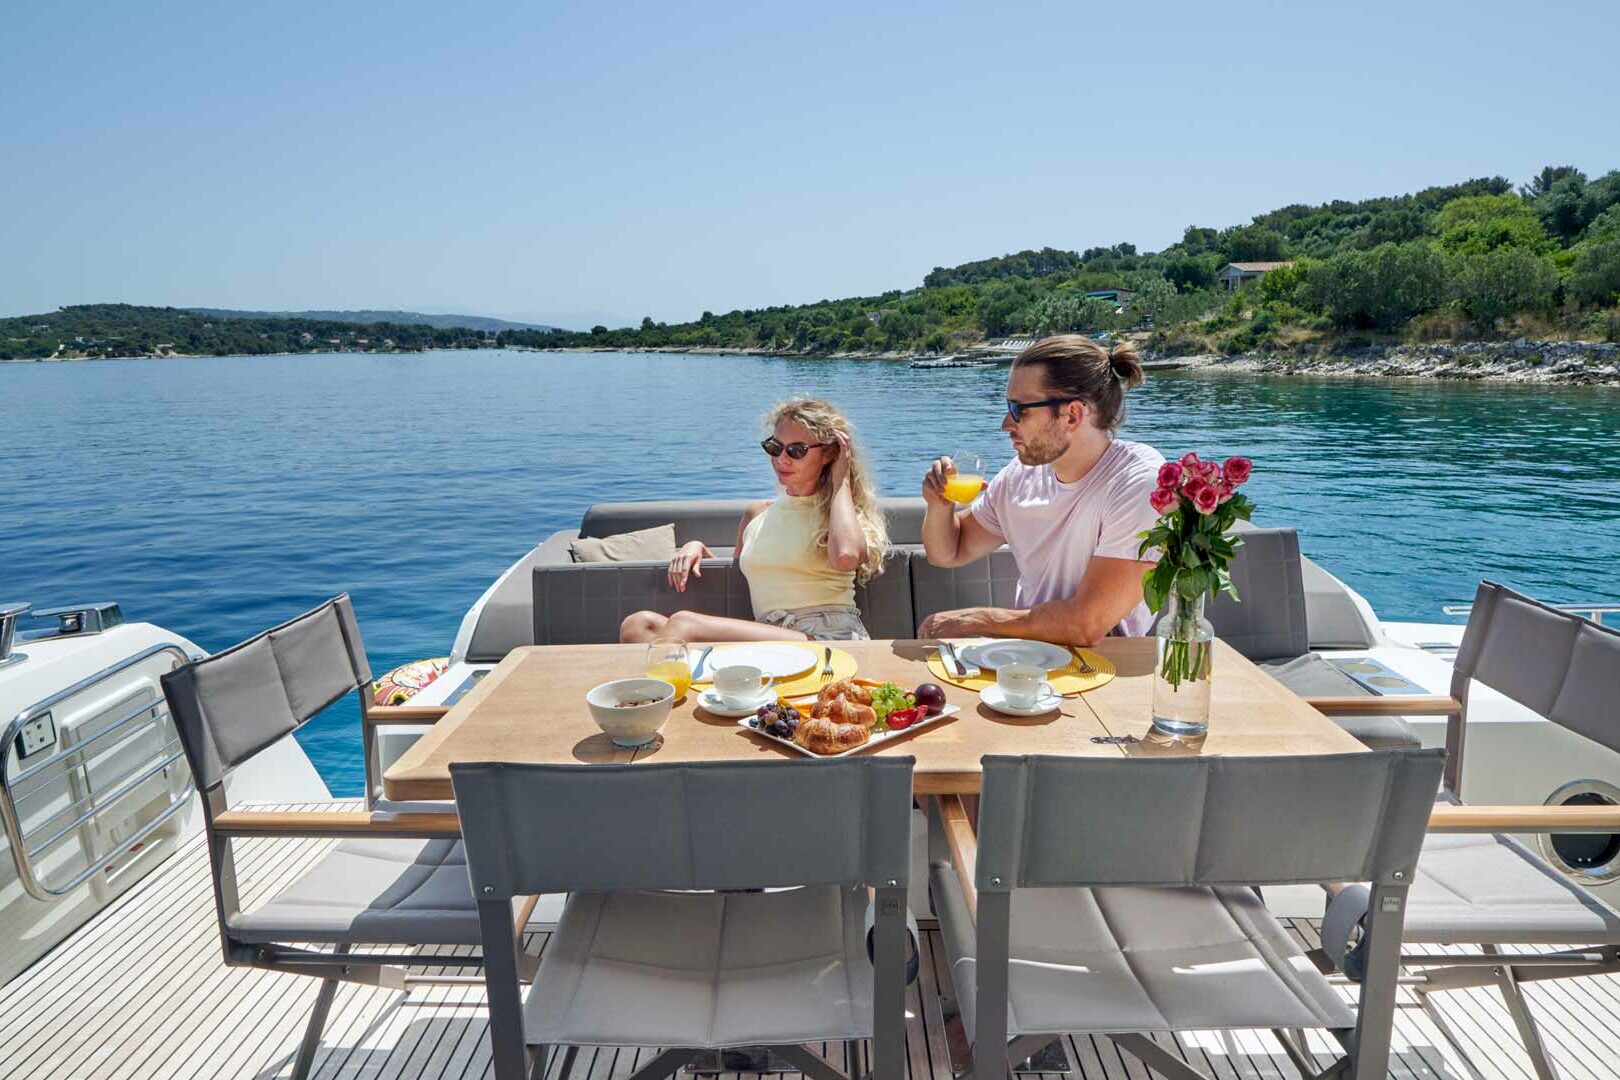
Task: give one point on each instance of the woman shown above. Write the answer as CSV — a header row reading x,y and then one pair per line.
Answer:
x,y
803,552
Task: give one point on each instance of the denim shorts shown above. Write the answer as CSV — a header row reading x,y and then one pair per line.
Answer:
x,y
832,623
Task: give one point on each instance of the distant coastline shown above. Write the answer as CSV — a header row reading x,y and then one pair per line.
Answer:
x,y
1535,363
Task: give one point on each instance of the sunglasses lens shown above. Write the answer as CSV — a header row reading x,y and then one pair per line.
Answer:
x,y
797,451
771,447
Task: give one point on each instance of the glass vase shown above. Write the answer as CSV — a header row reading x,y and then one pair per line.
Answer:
x,y
1181,679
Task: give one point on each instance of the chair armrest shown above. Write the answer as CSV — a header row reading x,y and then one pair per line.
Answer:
x,y
340,825
382,715
1525,819
1393,705
964,844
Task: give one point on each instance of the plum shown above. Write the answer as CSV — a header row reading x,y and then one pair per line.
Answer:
x,y
931,696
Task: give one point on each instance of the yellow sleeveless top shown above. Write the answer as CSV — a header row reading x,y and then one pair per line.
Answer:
x,y
784,568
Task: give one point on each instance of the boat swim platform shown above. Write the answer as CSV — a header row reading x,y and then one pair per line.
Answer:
x,y
141,991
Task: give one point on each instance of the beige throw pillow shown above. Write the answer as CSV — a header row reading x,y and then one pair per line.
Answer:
x,y
656,544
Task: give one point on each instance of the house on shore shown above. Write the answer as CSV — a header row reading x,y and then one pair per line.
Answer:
x,y
1233,276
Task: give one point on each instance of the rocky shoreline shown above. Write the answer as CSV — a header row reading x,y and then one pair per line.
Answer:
x,y
1572,363
1521,361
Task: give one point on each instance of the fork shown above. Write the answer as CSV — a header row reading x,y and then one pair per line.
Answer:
x,y
827,668
1085,668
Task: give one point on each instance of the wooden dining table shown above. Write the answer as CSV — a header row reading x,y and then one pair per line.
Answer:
x,y
531,708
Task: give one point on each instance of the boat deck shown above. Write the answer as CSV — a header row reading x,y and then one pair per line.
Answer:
x,y
140,991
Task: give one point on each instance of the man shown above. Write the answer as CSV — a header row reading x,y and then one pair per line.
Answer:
x,y
1070,508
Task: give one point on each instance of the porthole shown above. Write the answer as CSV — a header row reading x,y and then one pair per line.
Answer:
x,y
1587,857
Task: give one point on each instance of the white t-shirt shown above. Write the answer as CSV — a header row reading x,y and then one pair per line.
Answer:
x,y
1054,528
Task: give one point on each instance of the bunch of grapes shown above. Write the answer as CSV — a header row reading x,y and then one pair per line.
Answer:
x,y
889,697
776,719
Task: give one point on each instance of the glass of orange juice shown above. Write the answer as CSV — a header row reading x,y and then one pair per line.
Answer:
x,y
964,485
667,659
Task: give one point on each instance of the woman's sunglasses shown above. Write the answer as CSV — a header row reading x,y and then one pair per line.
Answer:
x,y
774,447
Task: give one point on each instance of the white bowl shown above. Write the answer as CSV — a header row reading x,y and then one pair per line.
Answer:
x,y
633,725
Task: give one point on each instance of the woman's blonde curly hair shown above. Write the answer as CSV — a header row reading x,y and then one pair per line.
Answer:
x,y
825,422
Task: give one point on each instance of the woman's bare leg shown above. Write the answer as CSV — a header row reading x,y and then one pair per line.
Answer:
x,y
694,626
643,626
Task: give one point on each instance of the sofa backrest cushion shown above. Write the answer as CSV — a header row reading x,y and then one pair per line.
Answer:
x,y
989,582
577,603
714,521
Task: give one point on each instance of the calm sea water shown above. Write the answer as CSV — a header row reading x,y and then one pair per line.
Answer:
x,y
219,496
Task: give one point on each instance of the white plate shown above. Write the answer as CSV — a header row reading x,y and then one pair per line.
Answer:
x,y
712,704
998,654
1047,702
779,661
878,737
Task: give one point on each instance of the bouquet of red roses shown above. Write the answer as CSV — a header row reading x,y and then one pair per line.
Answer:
x,y
1198,502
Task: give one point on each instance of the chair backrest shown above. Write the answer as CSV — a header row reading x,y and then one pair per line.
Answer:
x,y
1056,821
1557,664
233,704
1267,621
706,825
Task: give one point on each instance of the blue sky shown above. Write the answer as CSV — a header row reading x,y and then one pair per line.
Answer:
x,y
583,163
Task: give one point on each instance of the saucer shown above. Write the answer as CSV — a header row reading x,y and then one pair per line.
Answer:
x,y
712,704
993,697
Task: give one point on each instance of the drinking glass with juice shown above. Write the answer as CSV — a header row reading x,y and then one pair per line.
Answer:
x,y
964,485
667,660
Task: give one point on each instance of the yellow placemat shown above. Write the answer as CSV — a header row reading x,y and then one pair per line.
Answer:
x,y
844,667
1064,681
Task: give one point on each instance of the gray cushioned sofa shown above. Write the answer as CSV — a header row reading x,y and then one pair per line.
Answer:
x,y
1290,605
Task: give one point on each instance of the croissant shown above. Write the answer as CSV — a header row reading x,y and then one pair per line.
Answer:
x,y
847,688
843,710
824,735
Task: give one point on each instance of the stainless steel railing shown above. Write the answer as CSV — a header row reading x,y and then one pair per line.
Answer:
x,y
94,796
1595,611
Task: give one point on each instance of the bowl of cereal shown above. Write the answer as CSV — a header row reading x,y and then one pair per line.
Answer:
x,y
631,710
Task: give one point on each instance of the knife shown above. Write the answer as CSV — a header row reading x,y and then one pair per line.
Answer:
x,y
948,649
697,668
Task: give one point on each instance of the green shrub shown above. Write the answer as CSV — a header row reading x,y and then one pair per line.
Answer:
x,y
1595,275
1502,282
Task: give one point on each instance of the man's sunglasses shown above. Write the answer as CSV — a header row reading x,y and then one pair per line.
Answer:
x,y
1016,409
774,447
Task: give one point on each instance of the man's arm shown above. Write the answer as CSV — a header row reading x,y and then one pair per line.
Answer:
x,y
955,539
1106,594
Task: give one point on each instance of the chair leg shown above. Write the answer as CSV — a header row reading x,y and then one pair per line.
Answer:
x,y
662,1065
807,1063
1529,1033
1156,1057
317,1024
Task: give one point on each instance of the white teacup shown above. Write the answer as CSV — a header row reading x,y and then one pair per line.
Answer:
x,y
1022,685
738,685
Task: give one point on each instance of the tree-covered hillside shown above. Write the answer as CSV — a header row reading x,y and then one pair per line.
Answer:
x,y
1469,260
127,330
1479,259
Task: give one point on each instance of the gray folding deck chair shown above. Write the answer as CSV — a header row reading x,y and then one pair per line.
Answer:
x,y
234,704
632,964
1116,897
1489,890
1268,624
